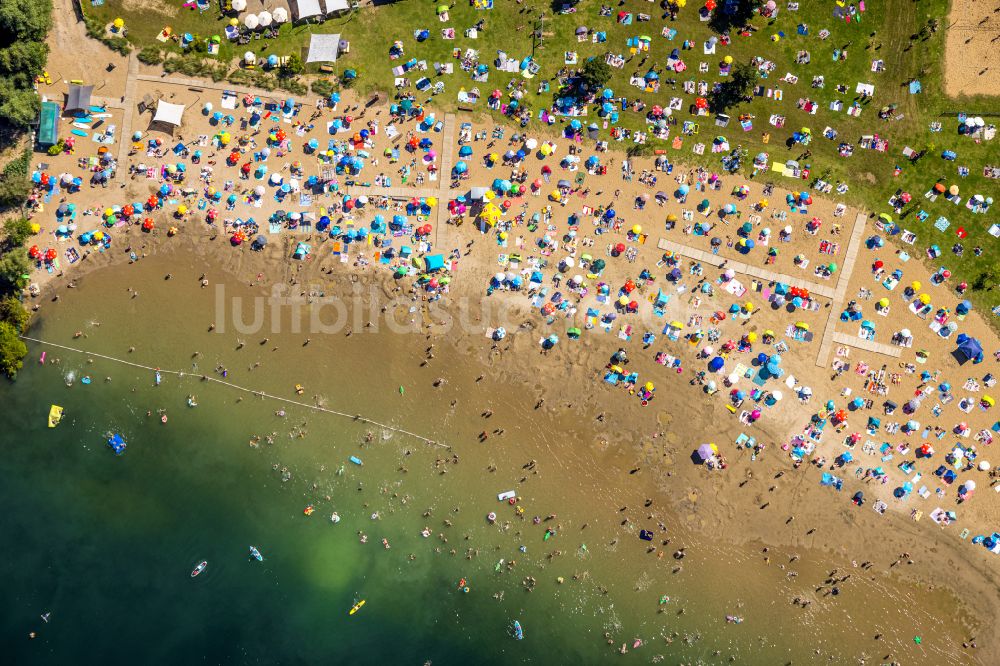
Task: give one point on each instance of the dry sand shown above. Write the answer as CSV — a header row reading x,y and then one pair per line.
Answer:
x,y
972,48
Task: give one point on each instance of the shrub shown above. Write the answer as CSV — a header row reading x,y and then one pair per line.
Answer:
x,y
323,87
150,55
16,231
14,183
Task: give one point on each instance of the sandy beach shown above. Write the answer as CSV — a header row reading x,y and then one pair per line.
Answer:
x,y
521,355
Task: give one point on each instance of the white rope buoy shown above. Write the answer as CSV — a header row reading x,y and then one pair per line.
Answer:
x,y
353,417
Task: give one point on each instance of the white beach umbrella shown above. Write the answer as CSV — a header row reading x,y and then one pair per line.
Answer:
x,y
777,395
280,15
250,57
531,144
239,5
259,190
265,19
970,485
984,466
251,21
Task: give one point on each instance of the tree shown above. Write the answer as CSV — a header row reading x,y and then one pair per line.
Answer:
x,y
292,67
21,62
12,311
13,267
25,20
18,108
16,231
734,90
595,73
12,350
733,15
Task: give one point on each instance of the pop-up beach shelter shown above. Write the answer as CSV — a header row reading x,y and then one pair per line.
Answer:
x,y
434,262
969,349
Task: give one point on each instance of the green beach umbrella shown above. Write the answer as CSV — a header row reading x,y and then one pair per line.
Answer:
x,y
832,267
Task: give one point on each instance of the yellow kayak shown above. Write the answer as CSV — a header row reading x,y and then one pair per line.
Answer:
x,y
357,607
55,415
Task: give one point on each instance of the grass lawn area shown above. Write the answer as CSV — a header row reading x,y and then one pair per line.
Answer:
x,y
870,174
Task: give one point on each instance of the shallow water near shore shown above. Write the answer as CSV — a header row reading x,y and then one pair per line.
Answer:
x,y
107,544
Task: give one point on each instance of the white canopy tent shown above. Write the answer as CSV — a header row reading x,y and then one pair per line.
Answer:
x,y
168,113
323,48
336,6
303,9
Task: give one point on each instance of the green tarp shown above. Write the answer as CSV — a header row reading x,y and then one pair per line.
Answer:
x,y
48,124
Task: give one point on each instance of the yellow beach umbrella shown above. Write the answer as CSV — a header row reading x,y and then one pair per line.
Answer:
x,y
925,298
915,285
119,23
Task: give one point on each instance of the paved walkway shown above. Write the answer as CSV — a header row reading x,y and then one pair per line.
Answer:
x,y
746,269
836,293
840,295
442,191
867,345
129,104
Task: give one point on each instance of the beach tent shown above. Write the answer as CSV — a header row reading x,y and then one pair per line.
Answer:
x,y
48,124
336,6
707,451
303,9
78,97
434,262
323,48
969,349
168,113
